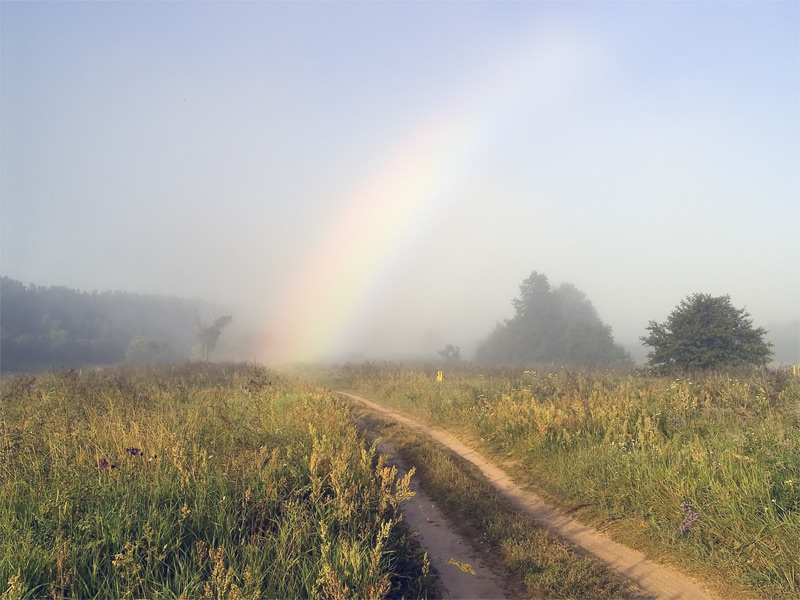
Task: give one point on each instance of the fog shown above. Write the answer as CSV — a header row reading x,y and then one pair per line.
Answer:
x,y
376,179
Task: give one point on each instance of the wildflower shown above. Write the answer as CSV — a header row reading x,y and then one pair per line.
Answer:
x,y
689,518
103,464
133,451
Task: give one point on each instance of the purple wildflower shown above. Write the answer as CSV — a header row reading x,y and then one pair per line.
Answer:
x,y
689,518
102,464
133,451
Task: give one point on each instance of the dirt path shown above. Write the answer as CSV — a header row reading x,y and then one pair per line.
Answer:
x,y
463,571
658,580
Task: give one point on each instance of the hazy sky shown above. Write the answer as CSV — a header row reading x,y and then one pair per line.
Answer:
x,y
366,177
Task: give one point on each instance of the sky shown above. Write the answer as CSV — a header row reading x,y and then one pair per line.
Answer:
x,y
377,179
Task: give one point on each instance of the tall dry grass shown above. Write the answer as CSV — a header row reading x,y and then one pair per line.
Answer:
x,y
702,471
194,481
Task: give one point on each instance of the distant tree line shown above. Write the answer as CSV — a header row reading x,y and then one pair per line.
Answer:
x,y
57,327
551,326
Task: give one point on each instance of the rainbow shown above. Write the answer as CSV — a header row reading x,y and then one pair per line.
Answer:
x,y
337,292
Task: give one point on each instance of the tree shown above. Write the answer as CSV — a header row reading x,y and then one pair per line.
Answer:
x,y
551,326
706,332
450,352
209,335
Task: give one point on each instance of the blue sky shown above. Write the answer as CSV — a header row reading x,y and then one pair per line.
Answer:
x,y
643,151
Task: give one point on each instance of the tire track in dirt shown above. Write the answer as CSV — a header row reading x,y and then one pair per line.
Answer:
x,y
658,580
450,554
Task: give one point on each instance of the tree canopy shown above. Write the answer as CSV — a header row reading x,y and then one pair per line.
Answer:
x,y
551,326
706,332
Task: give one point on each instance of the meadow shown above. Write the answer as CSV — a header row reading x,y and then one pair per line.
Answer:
x,y
701,472
195,481
235,481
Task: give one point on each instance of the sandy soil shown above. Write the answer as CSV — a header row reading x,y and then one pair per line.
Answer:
x,y
654,579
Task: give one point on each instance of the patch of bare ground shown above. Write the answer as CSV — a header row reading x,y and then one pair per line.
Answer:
x,y
655,580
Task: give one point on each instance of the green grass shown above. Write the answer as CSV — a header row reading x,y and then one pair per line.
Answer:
x,y
212,481
634,454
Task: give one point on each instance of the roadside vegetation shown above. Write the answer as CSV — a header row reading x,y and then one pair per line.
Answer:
x,y
195,481
700,472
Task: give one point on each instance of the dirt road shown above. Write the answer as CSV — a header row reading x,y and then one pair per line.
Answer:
x,y
658,580
463,571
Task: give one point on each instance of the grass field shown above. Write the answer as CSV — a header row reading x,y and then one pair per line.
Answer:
x,y
703,473
194,481
234,481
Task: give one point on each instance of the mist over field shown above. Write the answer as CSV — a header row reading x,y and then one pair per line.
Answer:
x,y
373,180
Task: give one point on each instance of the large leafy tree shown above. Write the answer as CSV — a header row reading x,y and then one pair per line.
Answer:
x,y
706,332
551,325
